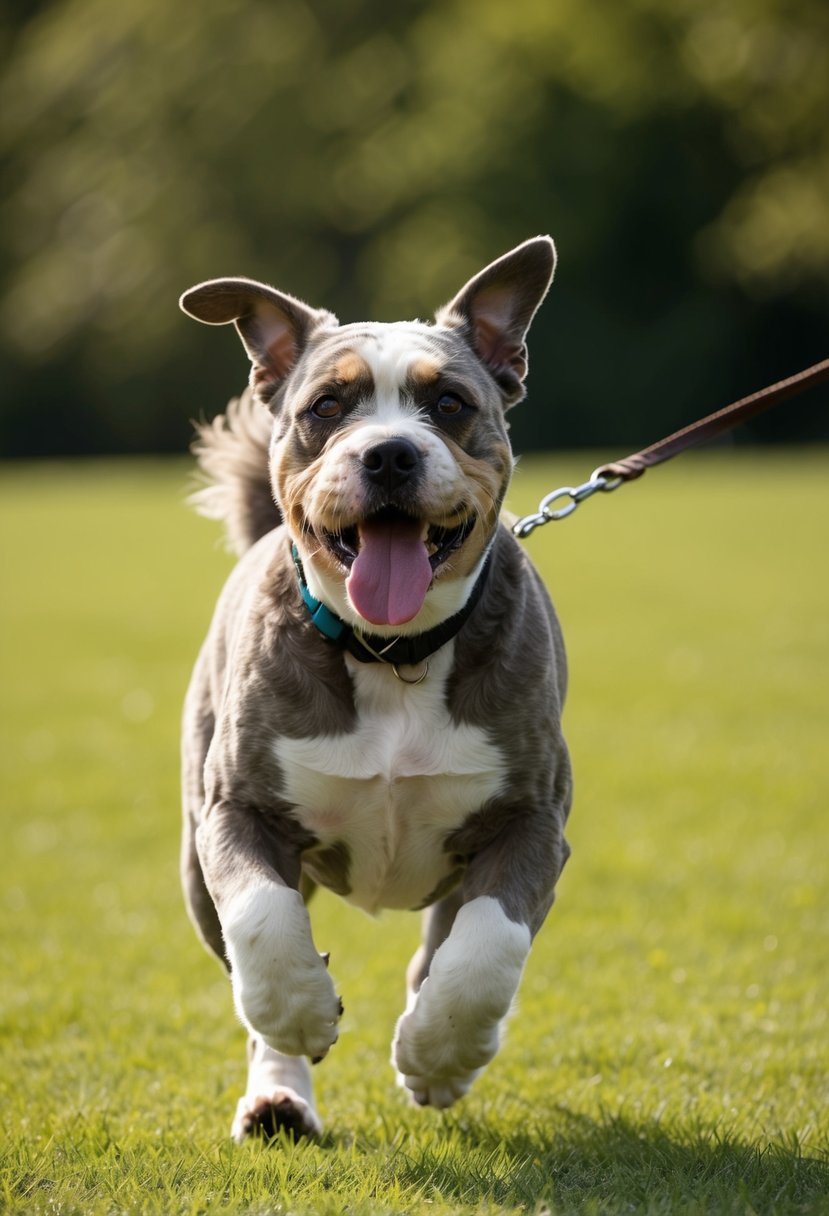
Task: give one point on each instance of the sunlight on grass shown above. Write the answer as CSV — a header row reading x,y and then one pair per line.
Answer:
x,y
671,1047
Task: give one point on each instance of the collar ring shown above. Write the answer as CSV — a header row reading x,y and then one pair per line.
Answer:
x,y
418,679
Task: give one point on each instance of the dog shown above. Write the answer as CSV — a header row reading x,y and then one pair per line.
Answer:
x,y
377,706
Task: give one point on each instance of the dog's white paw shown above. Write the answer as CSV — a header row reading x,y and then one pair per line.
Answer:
x,y
281,986
294,1008
453,1025
438,1053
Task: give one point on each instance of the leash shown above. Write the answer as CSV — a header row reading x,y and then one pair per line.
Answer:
x,y
610,476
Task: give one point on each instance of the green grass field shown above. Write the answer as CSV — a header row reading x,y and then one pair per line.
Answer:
x,y
671,1048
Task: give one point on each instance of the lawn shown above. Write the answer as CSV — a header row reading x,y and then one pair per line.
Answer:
x,y
670,1052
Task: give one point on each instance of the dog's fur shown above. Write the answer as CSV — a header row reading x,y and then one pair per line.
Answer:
x,y
385,447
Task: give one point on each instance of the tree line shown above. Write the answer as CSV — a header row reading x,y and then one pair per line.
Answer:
x,y
369,157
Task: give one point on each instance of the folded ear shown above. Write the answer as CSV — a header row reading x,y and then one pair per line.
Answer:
x,y
497,306
274,327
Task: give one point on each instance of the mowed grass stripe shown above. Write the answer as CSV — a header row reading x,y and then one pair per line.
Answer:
x,y
670,1050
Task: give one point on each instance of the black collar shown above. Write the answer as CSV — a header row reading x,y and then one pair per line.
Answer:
x,y
368,647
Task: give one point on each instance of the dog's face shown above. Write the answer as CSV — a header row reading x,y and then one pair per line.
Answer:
x,y
390,462
390,458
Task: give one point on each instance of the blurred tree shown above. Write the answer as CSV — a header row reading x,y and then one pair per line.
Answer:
x,y
369,157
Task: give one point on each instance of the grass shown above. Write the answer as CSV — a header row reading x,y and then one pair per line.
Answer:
x,y
671,1050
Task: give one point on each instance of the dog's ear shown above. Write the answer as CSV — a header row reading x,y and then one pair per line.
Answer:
x,y
497,306
274,327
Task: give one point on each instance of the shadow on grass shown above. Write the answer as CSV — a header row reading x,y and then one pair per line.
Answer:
x,y
617,1166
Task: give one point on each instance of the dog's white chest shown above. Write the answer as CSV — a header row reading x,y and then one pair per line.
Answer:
x,y
393,789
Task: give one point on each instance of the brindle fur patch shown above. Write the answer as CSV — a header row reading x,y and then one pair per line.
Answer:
x,y
330,867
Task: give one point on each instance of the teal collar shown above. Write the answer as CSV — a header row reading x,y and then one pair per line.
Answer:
x,y
329,625
370,648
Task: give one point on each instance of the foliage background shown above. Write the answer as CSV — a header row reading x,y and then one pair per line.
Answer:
x,y
370,156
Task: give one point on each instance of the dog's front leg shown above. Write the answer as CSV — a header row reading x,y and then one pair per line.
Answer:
x,y
452,1025
282,990
464,978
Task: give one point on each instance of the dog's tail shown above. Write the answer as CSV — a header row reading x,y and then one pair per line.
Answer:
x,y
232,452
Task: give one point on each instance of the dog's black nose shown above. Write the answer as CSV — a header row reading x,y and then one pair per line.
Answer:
x,y
390,464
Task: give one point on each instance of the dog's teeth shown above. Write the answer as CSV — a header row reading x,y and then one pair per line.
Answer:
x,y
326,957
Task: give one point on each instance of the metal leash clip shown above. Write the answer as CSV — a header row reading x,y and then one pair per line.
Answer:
x,y
573,495
689,436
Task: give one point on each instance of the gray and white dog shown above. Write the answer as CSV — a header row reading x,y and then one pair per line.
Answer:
x,y
377,706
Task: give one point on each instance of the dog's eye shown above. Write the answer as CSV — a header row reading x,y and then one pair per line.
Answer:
x,y
449,404
326,407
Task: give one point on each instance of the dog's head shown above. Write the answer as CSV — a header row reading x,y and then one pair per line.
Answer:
x,y
390,458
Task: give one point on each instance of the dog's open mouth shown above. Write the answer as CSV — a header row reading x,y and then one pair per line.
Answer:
x,y
391,558
439,542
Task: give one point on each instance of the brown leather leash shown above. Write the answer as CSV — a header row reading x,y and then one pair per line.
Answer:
x,y
610,476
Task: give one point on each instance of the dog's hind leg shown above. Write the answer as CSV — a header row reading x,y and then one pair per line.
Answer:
x,y
198,729
279,1095
437,922
200,906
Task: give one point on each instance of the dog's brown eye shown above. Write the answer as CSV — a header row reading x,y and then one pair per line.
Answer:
x,y
449,404
326,407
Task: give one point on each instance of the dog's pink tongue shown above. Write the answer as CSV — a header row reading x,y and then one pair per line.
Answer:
x,y
391,573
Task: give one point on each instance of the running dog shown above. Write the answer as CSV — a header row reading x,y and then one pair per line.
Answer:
x,y
377,706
